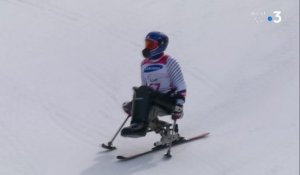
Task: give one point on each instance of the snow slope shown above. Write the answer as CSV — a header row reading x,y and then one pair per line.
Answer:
x,y
67,65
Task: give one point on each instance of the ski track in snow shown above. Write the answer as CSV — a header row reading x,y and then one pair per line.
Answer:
x,y
48,7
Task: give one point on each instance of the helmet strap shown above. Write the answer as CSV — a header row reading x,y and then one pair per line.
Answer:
x,y
155,57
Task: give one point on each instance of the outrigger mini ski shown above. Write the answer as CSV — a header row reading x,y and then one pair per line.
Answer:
x,y
109,145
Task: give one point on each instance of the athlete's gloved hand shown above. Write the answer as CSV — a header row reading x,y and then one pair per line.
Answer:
x,y
127,107
178,112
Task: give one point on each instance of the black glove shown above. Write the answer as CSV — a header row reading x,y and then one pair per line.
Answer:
x,y
178,112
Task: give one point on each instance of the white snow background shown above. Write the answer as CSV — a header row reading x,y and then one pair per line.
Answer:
x,y
66,66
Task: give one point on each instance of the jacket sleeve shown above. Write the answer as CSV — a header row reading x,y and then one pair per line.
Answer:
x,y
177,80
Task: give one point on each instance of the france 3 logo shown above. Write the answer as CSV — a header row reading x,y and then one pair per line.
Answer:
x,y
274,17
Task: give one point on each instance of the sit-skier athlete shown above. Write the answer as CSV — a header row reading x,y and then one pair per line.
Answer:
x,y
163,88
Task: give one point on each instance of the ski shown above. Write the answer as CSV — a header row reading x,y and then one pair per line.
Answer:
x,y
158,148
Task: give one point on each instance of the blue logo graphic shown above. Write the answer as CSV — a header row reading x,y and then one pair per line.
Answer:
x,y
270,18
152,68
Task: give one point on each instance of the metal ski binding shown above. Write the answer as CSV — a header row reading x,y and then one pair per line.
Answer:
x,y
164,129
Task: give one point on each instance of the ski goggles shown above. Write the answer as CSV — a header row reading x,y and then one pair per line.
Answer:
x,y
151,44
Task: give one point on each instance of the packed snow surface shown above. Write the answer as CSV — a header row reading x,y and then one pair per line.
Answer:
x,y
66,66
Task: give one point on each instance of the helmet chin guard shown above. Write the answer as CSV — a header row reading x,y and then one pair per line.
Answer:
x,y
146,53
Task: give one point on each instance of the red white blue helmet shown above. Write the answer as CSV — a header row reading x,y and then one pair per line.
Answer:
x,y
155,44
